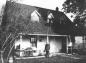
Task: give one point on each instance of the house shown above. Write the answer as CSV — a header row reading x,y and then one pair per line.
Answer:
x,y
35,31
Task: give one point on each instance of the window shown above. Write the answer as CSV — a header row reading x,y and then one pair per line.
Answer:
x,y
35,16
33,41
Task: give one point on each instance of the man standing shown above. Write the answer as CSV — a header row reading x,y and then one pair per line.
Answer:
x,y
47,48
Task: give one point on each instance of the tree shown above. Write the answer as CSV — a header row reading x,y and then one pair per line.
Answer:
x,y
74,6
77,7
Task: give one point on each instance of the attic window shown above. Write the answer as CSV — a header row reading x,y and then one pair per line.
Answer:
x,y
35,16
50,17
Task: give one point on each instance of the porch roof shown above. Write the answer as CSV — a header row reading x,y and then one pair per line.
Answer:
x,y
43,34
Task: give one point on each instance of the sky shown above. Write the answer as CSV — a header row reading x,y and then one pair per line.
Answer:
x,y
49,4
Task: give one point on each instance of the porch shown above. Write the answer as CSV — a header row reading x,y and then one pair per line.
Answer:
x,y
30,45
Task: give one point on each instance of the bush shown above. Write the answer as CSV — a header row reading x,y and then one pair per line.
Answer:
x,y
80,51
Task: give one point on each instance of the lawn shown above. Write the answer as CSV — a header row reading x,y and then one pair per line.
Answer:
x,y
55,59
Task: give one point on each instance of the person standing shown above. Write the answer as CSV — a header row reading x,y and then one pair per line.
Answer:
x,y
47,48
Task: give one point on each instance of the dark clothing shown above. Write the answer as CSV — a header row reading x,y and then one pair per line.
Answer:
x,y
47,54
47,48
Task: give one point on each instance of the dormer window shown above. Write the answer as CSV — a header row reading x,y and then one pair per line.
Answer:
x,y
35,16
50,18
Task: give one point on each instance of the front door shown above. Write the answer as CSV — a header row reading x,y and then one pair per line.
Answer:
x,y
64,45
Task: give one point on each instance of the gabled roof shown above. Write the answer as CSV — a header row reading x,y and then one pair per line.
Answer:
x,y
19,15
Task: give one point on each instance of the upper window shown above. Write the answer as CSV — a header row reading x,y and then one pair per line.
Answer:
x,y
35,16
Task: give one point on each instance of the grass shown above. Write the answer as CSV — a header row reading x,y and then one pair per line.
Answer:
x,y
55,59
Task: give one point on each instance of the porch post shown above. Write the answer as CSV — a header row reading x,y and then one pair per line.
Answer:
x,y
47,39
67,44
83,41
20,45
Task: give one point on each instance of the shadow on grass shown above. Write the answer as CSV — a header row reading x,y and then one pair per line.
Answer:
x,y
55,59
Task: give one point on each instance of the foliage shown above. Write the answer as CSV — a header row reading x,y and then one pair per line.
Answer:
x,y
77,7
74,6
